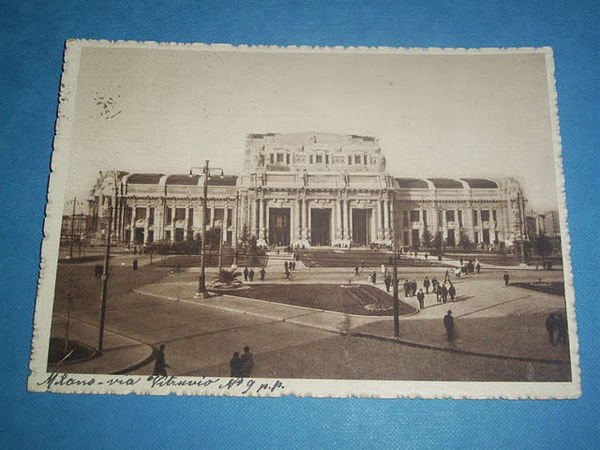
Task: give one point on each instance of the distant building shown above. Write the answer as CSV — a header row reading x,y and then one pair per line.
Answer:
x,y
551,224
311,189
76,227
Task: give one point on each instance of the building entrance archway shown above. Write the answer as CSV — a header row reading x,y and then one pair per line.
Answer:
x,y
320,226
360,227
279,226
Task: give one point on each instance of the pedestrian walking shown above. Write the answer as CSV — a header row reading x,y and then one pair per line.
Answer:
x,y
452,291
478,268
426,284
160,365
444,294
421,299
550,324
561,327
262,274
247,361
374,277
405,287
449,325
235,365
98,271
246,274
506,279
387,281
135,264
356,271
251,275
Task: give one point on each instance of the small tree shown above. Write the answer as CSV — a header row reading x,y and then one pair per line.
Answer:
x,y
543,247
426,238
245,236
465,242
438,242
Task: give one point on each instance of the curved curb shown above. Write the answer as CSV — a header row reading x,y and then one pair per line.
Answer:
x,y
135,366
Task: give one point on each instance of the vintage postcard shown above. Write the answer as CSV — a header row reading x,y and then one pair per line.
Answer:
x,y
329,222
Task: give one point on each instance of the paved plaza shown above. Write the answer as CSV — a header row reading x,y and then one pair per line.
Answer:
x,y
500,332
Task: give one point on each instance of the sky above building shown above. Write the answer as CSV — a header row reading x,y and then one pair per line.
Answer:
x,y
166,109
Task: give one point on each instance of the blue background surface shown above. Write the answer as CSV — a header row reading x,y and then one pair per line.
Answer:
x,y
31,47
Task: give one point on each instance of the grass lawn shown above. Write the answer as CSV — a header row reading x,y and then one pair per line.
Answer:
x,y
358,299
353,258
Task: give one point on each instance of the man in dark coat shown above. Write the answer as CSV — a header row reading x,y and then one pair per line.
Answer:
x,y
251,275
506,279
444,293
550,324
135,264
387,281
449,325
421,298
160,365
262,274
247,360
426,284
235,365
374,277
246,274
452,291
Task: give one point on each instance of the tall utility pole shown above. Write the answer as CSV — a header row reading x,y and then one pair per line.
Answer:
x,y
395,286
202,277
72,229
104,291
237,213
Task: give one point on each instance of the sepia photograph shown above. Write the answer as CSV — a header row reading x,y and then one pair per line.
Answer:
x,y
312,221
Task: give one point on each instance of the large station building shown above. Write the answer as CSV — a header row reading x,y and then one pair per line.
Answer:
x,y
310,189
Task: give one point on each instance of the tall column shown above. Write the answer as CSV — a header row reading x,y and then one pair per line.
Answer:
x,y
340,230
373,226
348,213
225,219
261,218
212,216
147,224
185,223
479,226
444,225
267,221
298,225
132,226
386,219
379,228
345,219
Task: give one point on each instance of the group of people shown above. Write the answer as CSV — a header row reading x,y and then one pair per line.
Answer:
x,y
241,366
469,266
288,267
249,274
556,327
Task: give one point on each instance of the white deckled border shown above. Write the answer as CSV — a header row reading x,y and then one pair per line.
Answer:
x,y
298,387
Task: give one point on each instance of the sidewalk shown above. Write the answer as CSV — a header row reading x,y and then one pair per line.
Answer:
x,y
120,355
509,324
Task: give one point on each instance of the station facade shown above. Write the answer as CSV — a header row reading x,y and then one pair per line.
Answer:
x,y
306,190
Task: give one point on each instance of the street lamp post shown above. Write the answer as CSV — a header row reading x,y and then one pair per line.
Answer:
x,y
396,301
237,213
202,277
104,290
